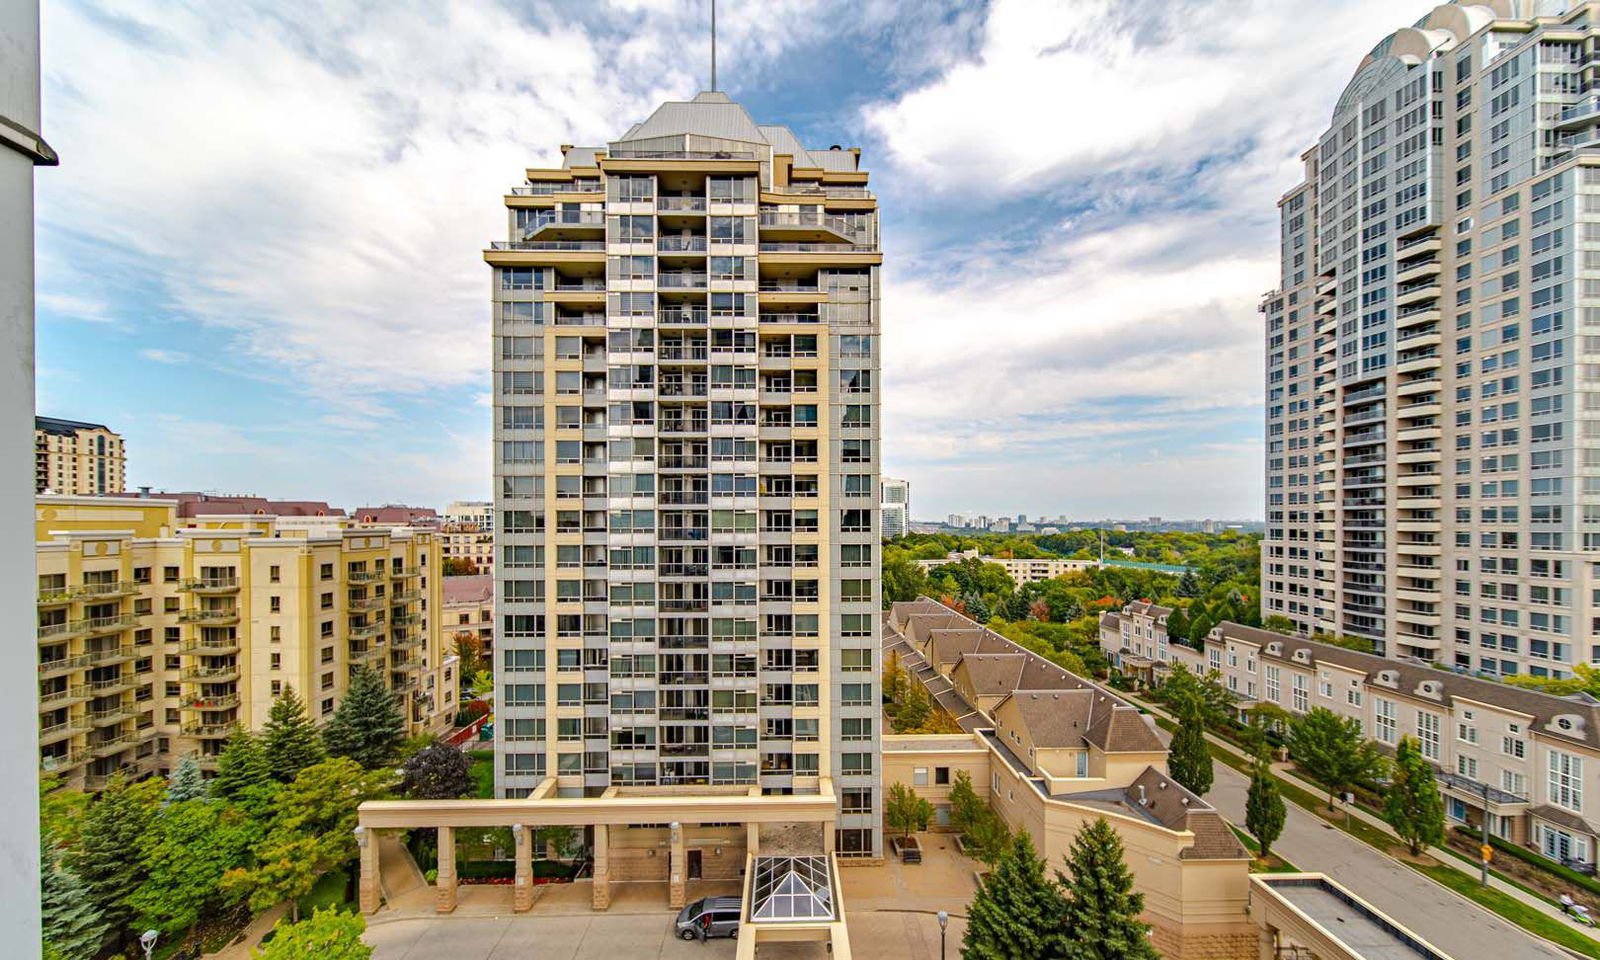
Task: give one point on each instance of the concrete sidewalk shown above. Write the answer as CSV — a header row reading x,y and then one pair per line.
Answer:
x,y
1451,922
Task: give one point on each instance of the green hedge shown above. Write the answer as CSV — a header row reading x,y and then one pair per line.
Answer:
x,y
1550,866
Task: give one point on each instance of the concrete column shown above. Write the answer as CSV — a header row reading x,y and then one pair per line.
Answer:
x,y
368,889
828,836
602,869
445,893
752,839
522,893
677,867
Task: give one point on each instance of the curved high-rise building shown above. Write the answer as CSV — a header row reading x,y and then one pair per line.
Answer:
x,y
1433,352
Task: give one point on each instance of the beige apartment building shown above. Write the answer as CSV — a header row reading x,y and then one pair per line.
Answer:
x,y
1535,757
686,466
164,623
1051,751
469,608
1530,759
468,541
1433,447
1020,571
73,457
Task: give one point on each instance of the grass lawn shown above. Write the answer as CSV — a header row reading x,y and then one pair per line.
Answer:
x,y
328,892
482,772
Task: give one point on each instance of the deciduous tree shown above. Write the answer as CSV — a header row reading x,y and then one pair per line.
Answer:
x,y
1412,804
438,772
906,812
1332,750
325,935
965,806
185,853
1189,759
1263,806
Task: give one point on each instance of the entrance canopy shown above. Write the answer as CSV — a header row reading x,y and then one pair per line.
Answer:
x,y
791,889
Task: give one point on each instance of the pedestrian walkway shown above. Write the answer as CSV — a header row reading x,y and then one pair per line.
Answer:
x,y
1451,922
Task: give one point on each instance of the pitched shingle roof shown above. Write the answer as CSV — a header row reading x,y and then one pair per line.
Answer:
x,y
1581,712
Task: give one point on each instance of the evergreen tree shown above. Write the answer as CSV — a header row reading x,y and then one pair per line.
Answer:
x,y
186,782
73,923
108,858
243,775
1016,913
1413,805
369,726
289,738
1178,626
1188,585
1200,624
1101,920
1332,750
1189,759
1263,806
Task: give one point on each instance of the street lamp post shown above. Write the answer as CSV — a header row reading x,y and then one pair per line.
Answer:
x,y
147,940
944,921
1483,859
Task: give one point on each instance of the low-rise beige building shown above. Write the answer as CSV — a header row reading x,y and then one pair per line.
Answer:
x,y
1532,755
469,608
1052,751
73,457
164,623
1020,571
1531,759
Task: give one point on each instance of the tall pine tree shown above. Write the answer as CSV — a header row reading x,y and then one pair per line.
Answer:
x,y
72,921
108,858
1102,910
1263,806
243,775
289,738
1016,913
186,782
368,727
1413,805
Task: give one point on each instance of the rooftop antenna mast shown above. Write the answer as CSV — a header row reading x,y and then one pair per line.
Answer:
x,y
713,46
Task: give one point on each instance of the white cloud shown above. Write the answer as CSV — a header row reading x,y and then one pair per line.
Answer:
x,y
1161,136
320,179
164,356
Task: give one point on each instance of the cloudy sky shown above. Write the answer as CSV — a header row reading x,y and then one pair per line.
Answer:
x,y
260,259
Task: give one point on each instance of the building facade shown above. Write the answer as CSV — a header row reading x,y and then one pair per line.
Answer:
x,y
1531,759
73,457
686,466
1432,400
895,503
469,608
480,512
468,543
163,626
1051,751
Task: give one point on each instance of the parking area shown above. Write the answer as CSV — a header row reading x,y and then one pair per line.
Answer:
x,y
597,937
891,910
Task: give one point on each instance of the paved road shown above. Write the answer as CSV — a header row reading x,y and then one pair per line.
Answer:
x,y
1461,929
